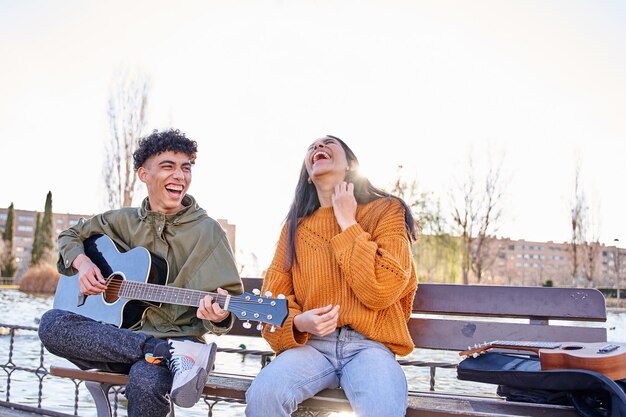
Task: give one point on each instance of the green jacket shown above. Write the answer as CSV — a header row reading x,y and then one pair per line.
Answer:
x,y
196,249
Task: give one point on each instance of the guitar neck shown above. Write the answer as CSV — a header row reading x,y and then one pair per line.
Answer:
x,y
163,294
514,345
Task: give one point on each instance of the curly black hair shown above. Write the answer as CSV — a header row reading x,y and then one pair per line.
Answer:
x,y
158,142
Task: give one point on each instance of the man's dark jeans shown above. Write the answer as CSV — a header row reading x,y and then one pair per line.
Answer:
x,y
92,345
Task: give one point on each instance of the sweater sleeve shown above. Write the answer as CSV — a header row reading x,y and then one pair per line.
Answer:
x,y
377,266
278,280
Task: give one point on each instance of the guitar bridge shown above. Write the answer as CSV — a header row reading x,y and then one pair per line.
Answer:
x,y
608,348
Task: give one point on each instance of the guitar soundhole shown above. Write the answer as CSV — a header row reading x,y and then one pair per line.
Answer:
x,y
572,347
111,294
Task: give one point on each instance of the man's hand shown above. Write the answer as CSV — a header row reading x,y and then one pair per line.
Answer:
x,y
210,310
90,279
318,321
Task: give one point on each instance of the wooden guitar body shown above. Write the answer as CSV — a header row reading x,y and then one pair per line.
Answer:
x,y
572,355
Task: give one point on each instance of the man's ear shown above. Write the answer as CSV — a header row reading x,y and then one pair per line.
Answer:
x,y
142,173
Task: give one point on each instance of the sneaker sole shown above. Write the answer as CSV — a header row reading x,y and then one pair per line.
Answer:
x,y
211,361
186,398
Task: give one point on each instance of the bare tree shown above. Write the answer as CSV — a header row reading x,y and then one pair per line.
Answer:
x,y
585,240
127,109
477,217
617,267
576,224
591,246
465,215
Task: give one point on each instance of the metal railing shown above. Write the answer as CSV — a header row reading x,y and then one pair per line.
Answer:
x,y
39,372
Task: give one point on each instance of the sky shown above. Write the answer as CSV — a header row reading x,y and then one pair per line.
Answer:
x,y
540,85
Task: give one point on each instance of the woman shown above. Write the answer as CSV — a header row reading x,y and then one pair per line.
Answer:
x,y
344,263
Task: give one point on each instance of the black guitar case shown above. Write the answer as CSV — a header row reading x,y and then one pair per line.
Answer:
x,y
520,378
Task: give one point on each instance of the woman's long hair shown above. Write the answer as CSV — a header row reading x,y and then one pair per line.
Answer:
x,y
306,201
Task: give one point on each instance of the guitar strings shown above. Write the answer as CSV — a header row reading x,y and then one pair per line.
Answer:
x,y
191,297
155,292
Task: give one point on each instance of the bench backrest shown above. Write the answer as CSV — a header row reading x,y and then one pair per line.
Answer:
x,y
453,317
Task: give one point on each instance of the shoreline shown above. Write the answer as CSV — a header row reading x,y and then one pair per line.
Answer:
x,y
616,306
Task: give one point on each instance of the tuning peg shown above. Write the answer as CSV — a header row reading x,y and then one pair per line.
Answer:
x,y
272,329
246,324
259,326
256,291
281,296
268,293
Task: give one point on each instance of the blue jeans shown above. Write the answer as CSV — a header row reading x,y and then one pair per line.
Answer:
x,y
93,345
366,370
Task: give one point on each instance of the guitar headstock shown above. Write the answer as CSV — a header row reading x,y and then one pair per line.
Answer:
x,y
478,349
252,307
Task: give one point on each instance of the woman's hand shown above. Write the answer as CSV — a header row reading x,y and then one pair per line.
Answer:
x,y
318,321
90,279
344,204
211,310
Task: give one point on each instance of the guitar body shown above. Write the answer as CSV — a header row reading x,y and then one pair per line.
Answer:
x,y
138,264
608,359
572,355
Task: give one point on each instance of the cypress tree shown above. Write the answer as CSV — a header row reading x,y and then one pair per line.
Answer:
x,y
8,266
35,253
47,229
43,243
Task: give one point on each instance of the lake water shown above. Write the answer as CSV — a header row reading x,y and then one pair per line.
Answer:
x,y
17,308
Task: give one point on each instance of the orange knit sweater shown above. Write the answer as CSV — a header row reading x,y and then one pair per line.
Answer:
x,y
367,269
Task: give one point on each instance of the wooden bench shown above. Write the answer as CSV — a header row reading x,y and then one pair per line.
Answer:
x,y
446,317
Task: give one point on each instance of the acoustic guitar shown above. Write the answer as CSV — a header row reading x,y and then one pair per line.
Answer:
x,y
606,358
137,279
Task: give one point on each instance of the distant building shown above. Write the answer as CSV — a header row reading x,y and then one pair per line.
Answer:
x,y
25,224
26,221
522,262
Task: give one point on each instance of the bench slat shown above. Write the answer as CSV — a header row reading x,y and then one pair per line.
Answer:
x,y
433,405
459,334
95,376
585,304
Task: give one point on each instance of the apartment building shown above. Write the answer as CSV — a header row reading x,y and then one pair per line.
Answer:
x,y
523,262
26,221
25,225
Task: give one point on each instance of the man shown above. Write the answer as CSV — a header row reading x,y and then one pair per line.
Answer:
x,y
169,224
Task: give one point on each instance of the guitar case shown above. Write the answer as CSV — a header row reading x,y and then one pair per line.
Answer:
x,y
520,378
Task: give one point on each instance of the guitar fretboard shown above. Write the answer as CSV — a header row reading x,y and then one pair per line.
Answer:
x,y
163,294
539,345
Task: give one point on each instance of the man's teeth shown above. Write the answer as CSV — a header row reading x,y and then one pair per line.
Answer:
x,y
175,187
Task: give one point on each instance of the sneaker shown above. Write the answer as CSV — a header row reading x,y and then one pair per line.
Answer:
x,y
190,363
